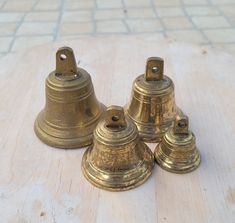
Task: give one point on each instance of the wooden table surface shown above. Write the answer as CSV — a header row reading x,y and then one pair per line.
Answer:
x,y
40,184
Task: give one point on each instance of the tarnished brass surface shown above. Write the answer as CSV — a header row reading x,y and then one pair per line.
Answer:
x,y
117,160
72,111
178,152
152,106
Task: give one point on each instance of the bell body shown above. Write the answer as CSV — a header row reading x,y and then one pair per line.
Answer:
x,y
178,152
71,112
152,106
117,160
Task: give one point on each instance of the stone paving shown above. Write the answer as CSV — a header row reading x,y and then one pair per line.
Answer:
x,y
26,23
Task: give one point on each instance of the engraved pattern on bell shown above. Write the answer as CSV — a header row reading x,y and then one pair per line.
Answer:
x,y
117,160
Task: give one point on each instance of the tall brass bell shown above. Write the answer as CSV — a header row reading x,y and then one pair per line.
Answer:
x,y
152,106
72,111
117,160
178,152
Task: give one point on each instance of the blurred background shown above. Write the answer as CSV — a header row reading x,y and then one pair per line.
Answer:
x,y
27,23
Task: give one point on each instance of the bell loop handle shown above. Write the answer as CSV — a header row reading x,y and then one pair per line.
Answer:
x,y
66,62
154,69
181,125
115,118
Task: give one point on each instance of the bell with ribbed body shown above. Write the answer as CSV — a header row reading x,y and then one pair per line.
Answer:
x,y
117,160
72,111
178,152
152,106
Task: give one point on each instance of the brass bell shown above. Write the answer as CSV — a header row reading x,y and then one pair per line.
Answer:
x,y
72,111
117,160
152,106
178,152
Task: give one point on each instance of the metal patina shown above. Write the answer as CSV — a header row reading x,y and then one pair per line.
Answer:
x,y
117,160
152,106
178,152
72,111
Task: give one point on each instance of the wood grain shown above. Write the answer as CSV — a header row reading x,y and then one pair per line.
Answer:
x,y
40,184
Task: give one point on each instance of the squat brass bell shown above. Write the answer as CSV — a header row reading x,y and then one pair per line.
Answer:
x,y
152,106
72,111
117,160
178,152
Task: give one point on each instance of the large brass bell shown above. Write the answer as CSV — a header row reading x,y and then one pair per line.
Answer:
x,y
178,152
152,106
117,160
72,111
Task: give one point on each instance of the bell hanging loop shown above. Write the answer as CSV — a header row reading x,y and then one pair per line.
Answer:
x,y
115,118
66,63
154,69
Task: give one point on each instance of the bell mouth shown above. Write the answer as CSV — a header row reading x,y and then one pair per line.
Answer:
x,y
67,138
120,180
177,165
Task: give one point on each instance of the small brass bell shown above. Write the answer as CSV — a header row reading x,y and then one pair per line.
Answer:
x,y
117,160
72,111
178,152
152,106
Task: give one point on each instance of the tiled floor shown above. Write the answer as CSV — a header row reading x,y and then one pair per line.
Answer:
x,y
26,23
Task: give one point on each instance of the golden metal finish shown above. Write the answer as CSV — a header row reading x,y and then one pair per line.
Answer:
x,y
72,111
152,106
117,160
177,152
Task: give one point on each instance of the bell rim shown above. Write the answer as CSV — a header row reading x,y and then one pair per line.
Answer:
x,y
61,143
109,187
64,143
177,167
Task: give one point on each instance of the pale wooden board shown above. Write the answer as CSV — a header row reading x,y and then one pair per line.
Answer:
x,y
42,184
